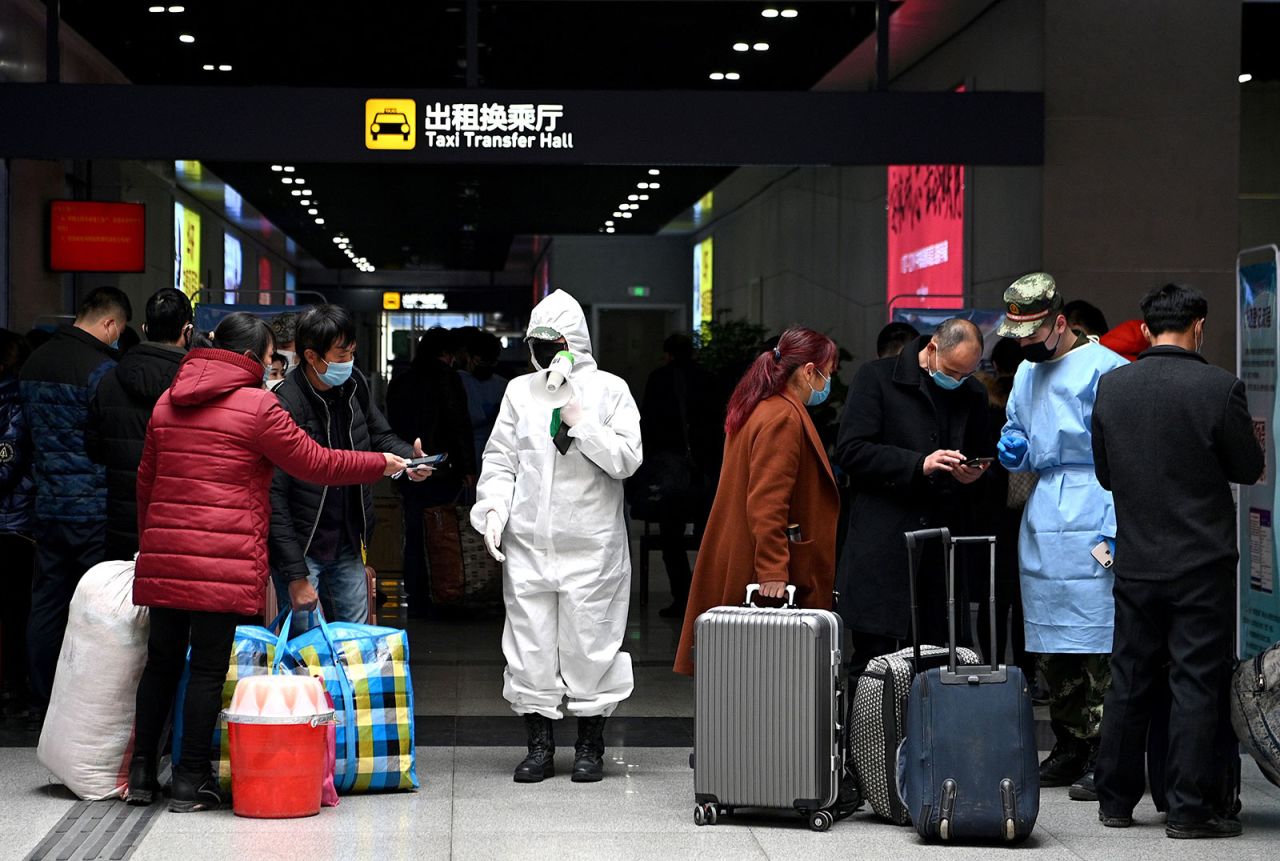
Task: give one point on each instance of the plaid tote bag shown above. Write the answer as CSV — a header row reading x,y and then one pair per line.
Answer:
x,y
365,668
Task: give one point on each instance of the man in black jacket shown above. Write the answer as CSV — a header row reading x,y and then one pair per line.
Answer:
x,y
1170,435
122,406
429,402
318,534
909,424
57,384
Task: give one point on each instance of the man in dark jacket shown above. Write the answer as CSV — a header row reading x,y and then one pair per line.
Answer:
x,y
318,534
682,424
119,412
58,382
17,524
1170,434
910,423
428,402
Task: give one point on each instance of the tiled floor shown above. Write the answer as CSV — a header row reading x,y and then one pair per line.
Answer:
x,y
469,808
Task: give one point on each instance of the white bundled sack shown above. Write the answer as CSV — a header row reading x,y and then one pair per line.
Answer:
x,y
88,730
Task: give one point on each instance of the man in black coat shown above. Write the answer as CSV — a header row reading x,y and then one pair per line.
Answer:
x,y
908,426
1170,435
318,533
122,406
429,402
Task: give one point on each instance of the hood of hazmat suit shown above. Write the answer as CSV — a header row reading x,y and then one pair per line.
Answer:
x,y
564,530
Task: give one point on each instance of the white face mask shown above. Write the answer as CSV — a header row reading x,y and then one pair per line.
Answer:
x,y
290,357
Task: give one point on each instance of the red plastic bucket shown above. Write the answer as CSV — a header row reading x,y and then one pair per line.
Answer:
x,y
277,764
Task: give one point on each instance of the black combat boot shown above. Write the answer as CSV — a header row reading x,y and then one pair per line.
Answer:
x,y
588,753
144,786
541,761
1084,788
1067,761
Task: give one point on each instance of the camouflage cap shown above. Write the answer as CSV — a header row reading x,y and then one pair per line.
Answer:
x,y
543,333
1028,303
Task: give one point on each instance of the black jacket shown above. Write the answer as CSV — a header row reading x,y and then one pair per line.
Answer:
x,y
429,402
888,427
58,382
117,427
296,504
1170,434
660,414
17,487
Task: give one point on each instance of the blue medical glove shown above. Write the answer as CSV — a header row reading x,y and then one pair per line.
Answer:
x,y
1010,449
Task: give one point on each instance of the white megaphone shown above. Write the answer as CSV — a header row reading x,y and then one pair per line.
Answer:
x,y
551,386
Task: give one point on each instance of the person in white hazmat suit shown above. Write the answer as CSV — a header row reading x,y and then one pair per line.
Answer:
x,y
549,504
1066,592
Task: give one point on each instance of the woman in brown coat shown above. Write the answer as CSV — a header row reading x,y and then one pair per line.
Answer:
x,y
775,474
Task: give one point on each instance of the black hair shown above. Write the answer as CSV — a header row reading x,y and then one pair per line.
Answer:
x,y
435,342
323,327
895,335
1173,308
1006,355
239,332
279,357
484,346
284,327
954,332
102,301
679,346
129,338
1090,317
13,346
168,313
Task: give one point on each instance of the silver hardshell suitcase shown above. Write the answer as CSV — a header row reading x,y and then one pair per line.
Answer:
x,y
766,720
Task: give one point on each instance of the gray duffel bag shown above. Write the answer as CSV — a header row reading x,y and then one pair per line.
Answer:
x,y
1255,710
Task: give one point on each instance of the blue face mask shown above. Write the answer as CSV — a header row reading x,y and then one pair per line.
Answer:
x,y
945,382
817,396
266,373
337,374
115,345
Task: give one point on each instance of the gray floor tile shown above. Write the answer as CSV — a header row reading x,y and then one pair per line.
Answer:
x,y
615,847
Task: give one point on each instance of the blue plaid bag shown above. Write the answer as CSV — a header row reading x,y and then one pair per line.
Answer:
x,y
365,668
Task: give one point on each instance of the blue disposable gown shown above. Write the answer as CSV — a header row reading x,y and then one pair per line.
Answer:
x,y
1066,594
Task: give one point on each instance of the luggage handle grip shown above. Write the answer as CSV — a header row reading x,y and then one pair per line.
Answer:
x,y
949,563
754,588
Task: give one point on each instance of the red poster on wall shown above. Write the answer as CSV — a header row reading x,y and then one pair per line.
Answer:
x,y
97,237
264,281
926,236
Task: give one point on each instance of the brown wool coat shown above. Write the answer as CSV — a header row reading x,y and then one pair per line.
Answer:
x,y
775,473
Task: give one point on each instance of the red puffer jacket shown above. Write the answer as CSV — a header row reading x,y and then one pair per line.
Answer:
x,y
204,484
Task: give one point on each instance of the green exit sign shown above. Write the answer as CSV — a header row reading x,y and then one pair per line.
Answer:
x,y
638,292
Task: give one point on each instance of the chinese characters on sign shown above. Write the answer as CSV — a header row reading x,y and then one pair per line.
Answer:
x,y
494,126
423,302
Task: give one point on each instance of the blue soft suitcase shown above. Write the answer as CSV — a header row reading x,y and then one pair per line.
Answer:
x,y
968,765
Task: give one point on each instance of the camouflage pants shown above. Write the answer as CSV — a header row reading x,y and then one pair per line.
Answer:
x,y
1077,686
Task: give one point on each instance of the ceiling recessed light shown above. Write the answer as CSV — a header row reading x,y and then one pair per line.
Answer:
x,y
186,38
655,185
633,197
305,202
224,68
277,168
741,46
288,168
732,76
208,67
297,192
608,224
608,230
287,180
653,171
717,76
789,13
644,197
177,9
642,185
337,239
319,221
313,211
1246,78
306,191
769,13
760,46
617,214
626,215
624,206
155,8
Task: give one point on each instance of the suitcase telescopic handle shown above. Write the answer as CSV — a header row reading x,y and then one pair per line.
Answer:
x,y
754,588
913,540
949,543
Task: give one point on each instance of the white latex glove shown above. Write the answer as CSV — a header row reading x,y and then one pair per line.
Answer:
x,y
571,413
493,536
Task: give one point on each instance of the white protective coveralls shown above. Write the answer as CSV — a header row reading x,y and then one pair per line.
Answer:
x,y
1066,594
567,577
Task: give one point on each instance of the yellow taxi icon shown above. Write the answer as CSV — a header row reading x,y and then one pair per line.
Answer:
x,y
390,124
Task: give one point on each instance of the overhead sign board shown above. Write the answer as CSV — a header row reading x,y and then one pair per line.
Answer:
x,y
515,127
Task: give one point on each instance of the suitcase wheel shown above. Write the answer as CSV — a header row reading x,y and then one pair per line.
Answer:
x,y
820,820
944,829
1010,830
705,814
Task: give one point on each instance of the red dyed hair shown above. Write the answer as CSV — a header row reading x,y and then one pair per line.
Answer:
x,y
772,369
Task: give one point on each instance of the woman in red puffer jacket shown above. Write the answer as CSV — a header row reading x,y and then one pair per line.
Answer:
x,y
214,441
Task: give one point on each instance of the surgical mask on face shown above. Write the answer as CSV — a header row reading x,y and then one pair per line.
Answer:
x,y
818,396
1200,340
266,375
337,373
1040,351
542,352
290,358
945,382
115,345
